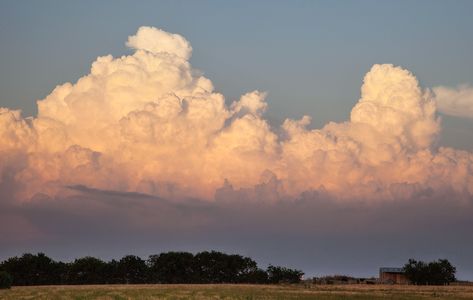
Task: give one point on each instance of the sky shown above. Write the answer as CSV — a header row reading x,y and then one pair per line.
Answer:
x,y
334,137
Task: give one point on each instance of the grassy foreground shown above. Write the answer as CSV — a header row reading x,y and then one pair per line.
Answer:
x,y
228,291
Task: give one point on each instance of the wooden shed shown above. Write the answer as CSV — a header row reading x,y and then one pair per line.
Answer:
x,y
392,276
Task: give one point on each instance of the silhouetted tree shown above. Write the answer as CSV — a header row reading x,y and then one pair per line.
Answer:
x,y
244,269
32,269
257,276
172,267
439,272
416,271
444,271
88,270
284,275
6,280
217,267
131,269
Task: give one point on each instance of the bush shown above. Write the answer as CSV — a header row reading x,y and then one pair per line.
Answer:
x,y
5,280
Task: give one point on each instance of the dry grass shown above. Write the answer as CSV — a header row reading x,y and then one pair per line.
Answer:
x,y
228,291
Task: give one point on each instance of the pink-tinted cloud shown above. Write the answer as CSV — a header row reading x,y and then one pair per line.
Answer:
x,y
150,123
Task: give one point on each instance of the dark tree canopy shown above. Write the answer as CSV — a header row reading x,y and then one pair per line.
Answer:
x,y
32,269
438,272
88,270
169,267
283,275
6,280
172,267
131,269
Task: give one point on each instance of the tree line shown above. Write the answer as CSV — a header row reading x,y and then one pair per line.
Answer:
x,y
170,267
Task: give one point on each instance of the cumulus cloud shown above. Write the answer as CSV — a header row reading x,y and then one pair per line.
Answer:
x,y
149,123
455,101
156,40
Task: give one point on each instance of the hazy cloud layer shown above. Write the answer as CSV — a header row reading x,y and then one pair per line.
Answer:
x,y
142,151
313,232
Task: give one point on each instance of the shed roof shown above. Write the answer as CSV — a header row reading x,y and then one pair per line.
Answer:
x,y
391,270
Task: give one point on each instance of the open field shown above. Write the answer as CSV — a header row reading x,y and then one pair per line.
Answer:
x,y
228,291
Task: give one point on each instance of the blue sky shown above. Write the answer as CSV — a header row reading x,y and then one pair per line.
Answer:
x,y
310,56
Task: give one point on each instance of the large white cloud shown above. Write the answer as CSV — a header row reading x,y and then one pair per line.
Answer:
x,y
150,123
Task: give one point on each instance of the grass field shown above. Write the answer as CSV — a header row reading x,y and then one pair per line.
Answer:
x,y
228,291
